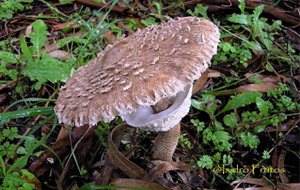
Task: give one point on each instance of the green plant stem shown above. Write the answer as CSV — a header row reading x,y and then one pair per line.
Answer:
x,y
54,8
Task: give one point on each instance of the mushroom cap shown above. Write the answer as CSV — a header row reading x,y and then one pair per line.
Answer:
x,y
138,71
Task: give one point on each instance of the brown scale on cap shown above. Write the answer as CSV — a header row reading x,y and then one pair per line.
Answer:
x,y
138,71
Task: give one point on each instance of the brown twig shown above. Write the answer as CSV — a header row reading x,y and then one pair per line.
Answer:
x,y
186,3
117,8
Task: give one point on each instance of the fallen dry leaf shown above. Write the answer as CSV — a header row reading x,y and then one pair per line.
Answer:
x,y
70,24
110,36
128,167
264,87
281,128
275,156
255,188
59,54
214,73
288,186
280,164
254,181
35,181
2,98
200,82
136,183
138,23
63,134
28,30
162,167
53,46
297,77
268,78
103,177
116,8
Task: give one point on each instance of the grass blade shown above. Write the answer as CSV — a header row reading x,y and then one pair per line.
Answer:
x,y
22,113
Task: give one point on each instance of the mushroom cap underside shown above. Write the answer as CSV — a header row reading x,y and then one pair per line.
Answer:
x,y
164,120
138,71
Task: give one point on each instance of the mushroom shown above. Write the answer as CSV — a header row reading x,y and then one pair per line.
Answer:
x,y
145,78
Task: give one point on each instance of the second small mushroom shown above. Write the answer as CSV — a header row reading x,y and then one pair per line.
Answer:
x,y
146,79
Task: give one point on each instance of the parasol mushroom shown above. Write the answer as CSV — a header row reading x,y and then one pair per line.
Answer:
x,y
145,78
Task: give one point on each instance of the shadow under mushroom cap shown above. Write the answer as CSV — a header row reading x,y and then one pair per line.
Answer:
x,y
138,71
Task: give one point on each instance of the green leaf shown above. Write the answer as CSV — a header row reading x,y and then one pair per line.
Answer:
x,y
217,157
21,150
254,45
207,104
47,69
38,100
249,140
198,124
260,128
11,73
266,155
197,104
258,25
19,163
148,21
88,186
65,1
263,106
158,7
31,144
26,173
38,36
227,159
22,113
257,11
240,19
199,10
227,47
3,165
221,137
242,6
65,41
132,24
92,186
241,100
8,57
269,67
27,55
266,40
230,120
276,25
9,7
205,162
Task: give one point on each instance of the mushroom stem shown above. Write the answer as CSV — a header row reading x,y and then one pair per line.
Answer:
x,y
165,144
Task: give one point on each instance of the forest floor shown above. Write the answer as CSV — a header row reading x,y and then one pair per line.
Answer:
x,y
242,131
